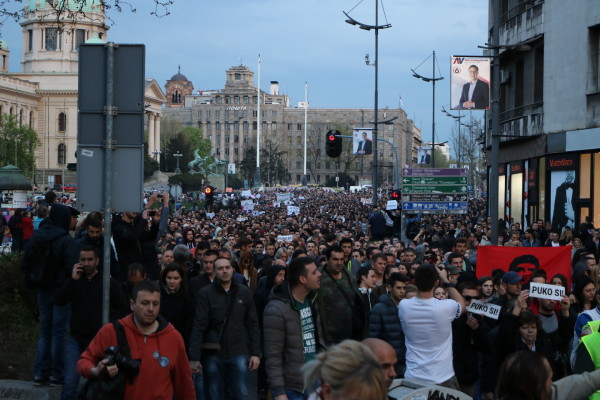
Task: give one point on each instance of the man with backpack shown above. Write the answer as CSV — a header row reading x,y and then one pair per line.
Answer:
x,y
48,261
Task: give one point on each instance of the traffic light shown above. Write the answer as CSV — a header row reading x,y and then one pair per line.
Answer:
x,y
209,193
395,195
333,144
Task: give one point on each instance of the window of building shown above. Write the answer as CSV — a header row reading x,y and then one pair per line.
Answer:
x,y
274,114
318,165
298,164
297,178
176,97
30,118
255,113
245,139
255,100
538,79
226,151
219,100
238,76
254,125
51,39
30,40
236,139
289,127
20,117
299,127
519,82
227,99
594,46
236,151
62,154
327,165
274,126
227,139
236,126
308,165
218,126
236,100
246,100
218,151
245,126
265,126
62,122
226,114
79,38
318,178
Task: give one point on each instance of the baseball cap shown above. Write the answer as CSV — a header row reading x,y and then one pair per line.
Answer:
x,y
511,277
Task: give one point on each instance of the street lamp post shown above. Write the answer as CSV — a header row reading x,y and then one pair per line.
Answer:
x,y
177,157
458,118
376,28
432,80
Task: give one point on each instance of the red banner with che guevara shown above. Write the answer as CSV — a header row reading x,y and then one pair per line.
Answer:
x,y
524,260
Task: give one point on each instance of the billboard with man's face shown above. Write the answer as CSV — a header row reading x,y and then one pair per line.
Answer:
x,y
362,141
470,83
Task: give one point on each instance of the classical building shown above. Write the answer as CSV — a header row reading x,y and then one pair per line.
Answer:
x,y
549,112
44,94
228,117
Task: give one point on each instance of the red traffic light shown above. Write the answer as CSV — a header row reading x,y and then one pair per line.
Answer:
x,y
331,138
395,195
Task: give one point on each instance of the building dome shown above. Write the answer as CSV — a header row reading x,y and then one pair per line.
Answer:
x,y
179,76
73,5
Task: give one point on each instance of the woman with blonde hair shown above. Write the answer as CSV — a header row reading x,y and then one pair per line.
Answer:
x,y
347,371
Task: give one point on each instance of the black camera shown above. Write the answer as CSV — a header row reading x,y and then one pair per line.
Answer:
x,y
130,366
151,213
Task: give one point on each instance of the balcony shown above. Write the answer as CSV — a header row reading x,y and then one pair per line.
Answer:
x,y
527,120
522,22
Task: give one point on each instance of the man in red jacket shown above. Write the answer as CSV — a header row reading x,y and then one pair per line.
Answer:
x,y
164,372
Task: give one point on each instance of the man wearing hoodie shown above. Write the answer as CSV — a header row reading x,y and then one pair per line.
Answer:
x,y
53,319
290,329
164,371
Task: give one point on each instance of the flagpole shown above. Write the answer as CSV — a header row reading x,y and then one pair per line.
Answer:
x,y
305,177
257,179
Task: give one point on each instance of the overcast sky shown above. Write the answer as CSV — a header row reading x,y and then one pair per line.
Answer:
x,y
307,41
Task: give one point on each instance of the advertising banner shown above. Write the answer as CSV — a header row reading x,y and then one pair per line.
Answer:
x,y
470,83
362,141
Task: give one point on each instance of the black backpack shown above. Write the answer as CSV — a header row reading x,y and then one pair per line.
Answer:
x,y
39,264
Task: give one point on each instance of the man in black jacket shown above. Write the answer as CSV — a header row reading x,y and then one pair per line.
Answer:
x,y
225,317
83,294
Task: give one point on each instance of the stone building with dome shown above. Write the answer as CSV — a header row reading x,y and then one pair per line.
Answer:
x,y
43,95
177,88
228,118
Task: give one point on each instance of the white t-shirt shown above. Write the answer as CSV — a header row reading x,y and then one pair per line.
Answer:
x,y
427,326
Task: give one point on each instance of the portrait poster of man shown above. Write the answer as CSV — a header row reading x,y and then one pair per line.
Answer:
x,y
362,141
562,189
524,260
424,156
470,83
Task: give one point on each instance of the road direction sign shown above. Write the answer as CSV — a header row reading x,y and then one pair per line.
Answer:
x,y
434,197
434,180
434,189
435,206
434,172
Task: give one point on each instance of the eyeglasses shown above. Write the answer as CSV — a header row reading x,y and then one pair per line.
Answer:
x,y
469,298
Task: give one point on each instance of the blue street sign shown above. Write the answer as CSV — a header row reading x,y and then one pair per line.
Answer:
x,y
435,206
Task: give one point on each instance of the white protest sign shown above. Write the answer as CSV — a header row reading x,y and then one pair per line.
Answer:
x,y
488,309
246,193
283,197
242,219
301,198
210,215
366,202
247,204
392,205
293,210
285,238
544,291
276,204
257,213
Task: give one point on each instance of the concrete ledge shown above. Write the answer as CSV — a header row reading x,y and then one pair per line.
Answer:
x,y
25,390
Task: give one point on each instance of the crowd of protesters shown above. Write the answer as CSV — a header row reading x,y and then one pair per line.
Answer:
x,y
257,293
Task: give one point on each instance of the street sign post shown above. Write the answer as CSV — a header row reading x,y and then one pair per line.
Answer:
x,y
434,189
435,206
434,180
434,172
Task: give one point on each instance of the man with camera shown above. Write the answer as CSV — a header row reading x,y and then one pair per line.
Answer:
x,y
154,358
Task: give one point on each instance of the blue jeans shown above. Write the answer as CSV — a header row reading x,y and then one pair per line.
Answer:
x,y
225,375
72,353
293,395
53,331
198,385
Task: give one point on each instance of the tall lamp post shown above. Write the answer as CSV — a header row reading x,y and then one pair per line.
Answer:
x,y
177,157
457,118
376,28
432,80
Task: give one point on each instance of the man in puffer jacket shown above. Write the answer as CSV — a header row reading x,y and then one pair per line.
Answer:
x,y
384,322
290,329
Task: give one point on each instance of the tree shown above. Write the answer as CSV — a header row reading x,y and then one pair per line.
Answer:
x,y
272,165
17,144
344,181
68,12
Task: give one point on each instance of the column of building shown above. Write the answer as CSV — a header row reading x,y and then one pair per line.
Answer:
x,y
157,146
151,123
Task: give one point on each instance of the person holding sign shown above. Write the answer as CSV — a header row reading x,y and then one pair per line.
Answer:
x,y
522,329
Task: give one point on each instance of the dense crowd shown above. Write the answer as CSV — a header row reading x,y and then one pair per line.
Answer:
x,y
242,293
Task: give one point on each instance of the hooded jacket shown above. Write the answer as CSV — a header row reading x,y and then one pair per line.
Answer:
x,y
164,371
284,347
55,229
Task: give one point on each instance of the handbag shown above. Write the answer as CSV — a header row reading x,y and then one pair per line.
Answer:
x,y
107,388
216,345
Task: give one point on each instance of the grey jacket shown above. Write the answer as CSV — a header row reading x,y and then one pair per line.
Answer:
x,y
284,348
576,387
